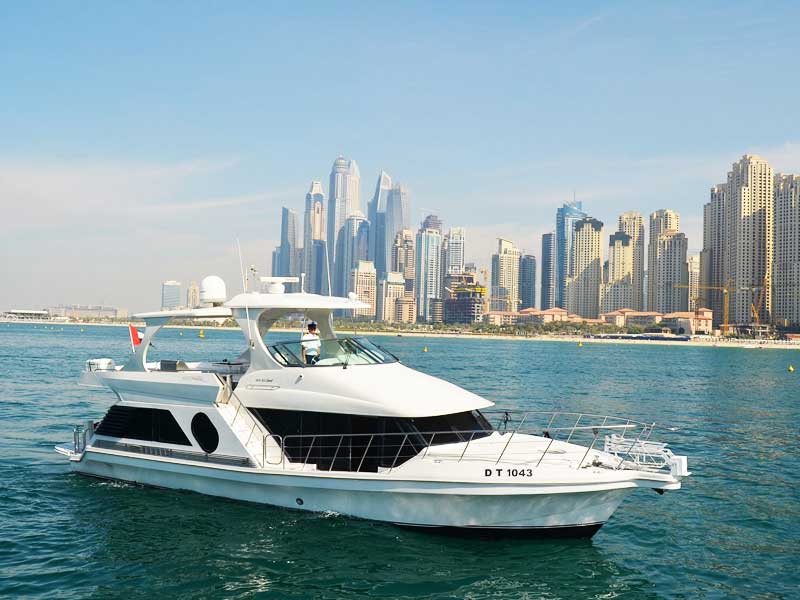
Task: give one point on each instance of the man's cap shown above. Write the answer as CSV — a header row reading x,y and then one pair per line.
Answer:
x,y
312,323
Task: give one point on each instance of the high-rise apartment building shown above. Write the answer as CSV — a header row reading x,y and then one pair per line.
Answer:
x,y
749,234
786,274
583,286
193,295
566,217
505,277
403,260
376,214
632,224
712,258
548,271
363,284
454,258
660,221
739,239
617,290
314,239
353,247
669,269
527,281
693,263
170,294
428,271
390,288
344,199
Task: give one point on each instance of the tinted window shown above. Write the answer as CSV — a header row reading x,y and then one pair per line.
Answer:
x,y
340,442
205,433
149,424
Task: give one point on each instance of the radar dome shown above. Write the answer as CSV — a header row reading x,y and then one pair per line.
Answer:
x,y
212,290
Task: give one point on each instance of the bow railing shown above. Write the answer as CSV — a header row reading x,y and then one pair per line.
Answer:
x,y
526,440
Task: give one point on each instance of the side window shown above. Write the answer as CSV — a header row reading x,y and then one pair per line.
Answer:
x,y
147,424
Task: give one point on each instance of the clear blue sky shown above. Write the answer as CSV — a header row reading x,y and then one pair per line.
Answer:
x,y
138,140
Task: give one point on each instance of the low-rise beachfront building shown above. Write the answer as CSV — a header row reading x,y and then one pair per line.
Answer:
x,y
689,322
645,318
550,315
85,311
616,317
501,317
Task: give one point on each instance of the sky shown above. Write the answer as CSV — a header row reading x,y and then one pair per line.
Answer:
x,y
139,141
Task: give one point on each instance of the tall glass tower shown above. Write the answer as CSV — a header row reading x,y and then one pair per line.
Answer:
x,y
566,217
548,271
344,199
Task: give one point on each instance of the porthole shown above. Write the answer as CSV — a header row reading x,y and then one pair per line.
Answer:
x,y
205,433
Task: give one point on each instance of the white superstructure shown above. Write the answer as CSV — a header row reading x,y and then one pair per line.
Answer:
x,y
356,432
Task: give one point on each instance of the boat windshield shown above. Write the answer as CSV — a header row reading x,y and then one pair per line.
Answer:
x,y
333,352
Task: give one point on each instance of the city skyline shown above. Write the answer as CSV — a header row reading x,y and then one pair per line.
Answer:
x,y
207,147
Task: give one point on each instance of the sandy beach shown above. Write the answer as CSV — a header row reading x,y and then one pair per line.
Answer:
x,y
704,342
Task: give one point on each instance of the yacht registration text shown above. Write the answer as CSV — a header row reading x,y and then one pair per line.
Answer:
x,y
508,472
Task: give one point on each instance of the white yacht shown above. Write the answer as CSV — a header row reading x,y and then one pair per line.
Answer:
x,y
356,433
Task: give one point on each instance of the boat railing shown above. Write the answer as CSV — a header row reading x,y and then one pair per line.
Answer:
x,y
257,432
626,441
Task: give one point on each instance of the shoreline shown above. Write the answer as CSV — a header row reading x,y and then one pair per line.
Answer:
x,y
575,339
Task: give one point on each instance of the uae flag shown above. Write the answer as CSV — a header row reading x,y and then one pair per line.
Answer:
x,y
136,337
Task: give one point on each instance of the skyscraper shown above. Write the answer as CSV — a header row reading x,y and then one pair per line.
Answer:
x,y
193,295
583,286
749,234
343,201
548,271
527,281
660,221
632,224
170,294
693,263
287,262
786,277
376,214
403,260
669,269
433,222
314,240
739,239
505,277
454,263
712,258
428,271
566,217
397,215
353,247
617,289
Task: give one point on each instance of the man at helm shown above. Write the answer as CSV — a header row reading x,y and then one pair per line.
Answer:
x,y
310,344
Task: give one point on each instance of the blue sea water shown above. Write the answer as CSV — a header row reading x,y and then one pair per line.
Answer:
x,y
733,531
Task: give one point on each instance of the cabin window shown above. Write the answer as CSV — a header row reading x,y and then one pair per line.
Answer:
x,y
205,433
340,442
147,424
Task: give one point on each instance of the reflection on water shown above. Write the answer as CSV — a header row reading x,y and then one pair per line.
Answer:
x,y
730,533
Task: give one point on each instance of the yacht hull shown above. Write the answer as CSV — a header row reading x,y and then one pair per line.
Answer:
x,y
462,507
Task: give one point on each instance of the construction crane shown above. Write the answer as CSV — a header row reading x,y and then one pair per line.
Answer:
x,y
726,290
756,304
